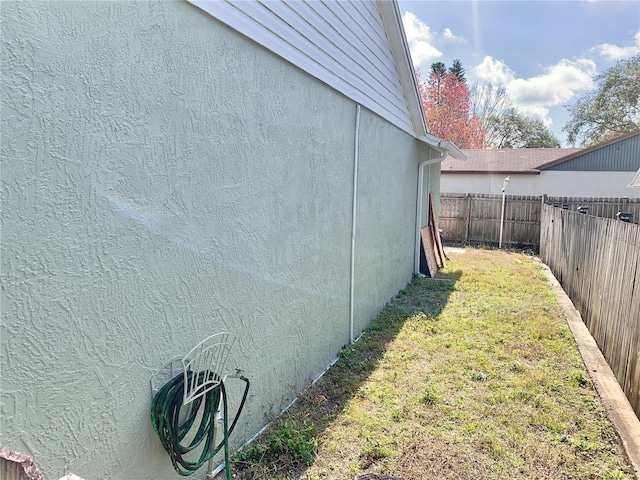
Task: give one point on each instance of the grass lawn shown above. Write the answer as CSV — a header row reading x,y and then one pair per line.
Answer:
x,y
473,378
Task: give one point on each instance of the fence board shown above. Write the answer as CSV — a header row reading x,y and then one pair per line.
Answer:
x,y
428,247
441,259
597,262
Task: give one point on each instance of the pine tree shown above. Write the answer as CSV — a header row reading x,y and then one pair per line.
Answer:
x,y
458,71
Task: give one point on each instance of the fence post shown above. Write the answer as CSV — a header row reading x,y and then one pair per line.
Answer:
x,y
625,204
468,219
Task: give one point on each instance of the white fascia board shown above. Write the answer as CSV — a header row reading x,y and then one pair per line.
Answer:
x,y
443,146
392,20
453,150
635,183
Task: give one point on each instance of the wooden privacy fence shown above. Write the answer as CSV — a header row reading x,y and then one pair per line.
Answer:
x,y
599,207
475,218
597,262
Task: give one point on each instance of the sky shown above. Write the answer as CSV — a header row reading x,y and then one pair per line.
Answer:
x,y
545,53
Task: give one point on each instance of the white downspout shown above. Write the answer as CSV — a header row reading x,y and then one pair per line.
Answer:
x,y
353,224
416,253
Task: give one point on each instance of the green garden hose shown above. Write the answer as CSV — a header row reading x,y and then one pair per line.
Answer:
x,y
165,417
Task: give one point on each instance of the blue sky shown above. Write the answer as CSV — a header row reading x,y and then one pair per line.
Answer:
x,y
544,53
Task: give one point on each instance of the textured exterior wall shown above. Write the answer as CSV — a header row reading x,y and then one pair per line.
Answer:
x,y
164,178
553,183
322,38
387,185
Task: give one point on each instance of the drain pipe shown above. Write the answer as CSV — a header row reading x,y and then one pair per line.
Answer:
x,y
416,253
352,283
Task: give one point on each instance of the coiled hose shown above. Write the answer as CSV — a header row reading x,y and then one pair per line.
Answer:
x,y
165,417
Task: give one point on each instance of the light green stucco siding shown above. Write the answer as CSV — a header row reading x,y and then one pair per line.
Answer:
x,y
387,187
164,178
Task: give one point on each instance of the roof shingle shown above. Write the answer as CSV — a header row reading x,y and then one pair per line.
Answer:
x,y
505,160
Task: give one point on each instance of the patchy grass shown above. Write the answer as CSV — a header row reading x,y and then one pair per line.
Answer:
x,y
476,378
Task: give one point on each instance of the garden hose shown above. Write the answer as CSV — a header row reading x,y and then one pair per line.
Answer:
x,y
165,417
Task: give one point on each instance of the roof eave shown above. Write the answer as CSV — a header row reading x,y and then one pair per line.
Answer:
x,y
443,146
392,19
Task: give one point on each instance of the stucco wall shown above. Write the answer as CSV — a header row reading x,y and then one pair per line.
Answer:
x,y
387,178
552,183
164,178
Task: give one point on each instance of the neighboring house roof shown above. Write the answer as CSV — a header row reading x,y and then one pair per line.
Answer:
x,y
620,154
505,160
356,47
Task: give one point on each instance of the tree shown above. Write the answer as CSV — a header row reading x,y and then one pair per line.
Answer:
x,y
504,125
458,71
514,130
609,111
490,104
446,101
438,71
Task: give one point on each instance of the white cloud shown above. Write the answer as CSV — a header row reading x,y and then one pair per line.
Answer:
x,y
614,52
557,85
537,112
448,35
494,71
419,38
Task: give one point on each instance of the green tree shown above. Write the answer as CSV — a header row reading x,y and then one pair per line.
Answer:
x,y
458,71
438,69
514,130
609,111
436,78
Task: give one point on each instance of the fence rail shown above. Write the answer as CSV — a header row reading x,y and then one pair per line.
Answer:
x,y
475,218
597,262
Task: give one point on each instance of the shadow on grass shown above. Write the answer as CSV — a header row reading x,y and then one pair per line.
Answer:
x,y
290,445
